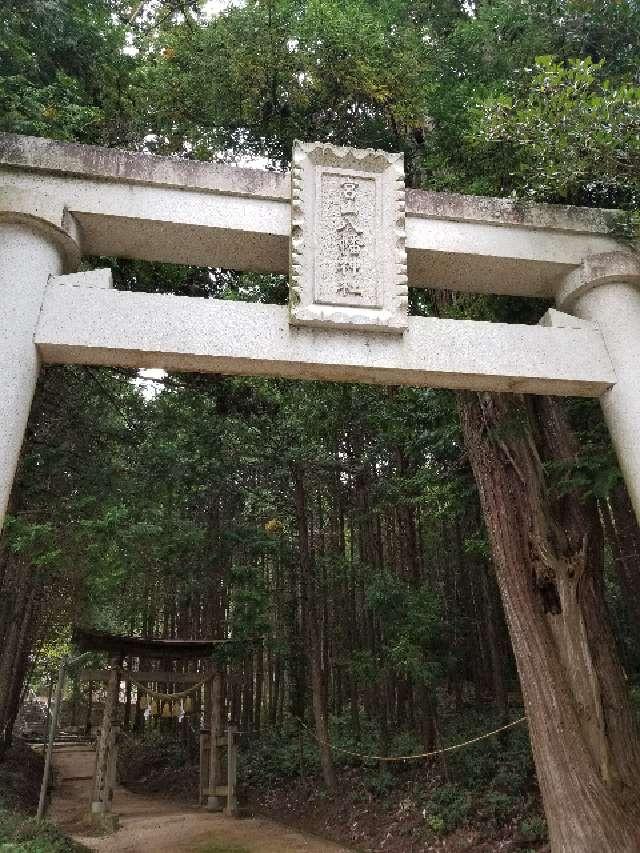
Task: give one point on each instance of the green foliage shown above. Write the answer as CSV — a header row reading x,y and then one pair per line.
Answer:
x,y
411,617
498,807
448,808
436,823
593,473
534,828
156,748
566,126
378,782
20,834
33,541
635,701
54,110
278,756
503,762
62,70
262,74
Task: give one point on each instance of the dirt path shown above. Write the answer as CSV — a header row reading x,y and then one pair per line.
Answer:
x,y
155,825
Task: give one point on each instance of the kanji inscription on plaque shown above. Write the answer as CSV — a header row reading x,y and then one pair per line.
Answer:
x,y
348,261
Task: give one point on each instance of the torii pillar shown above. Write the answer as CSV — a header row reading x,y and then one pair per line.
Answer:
x,y
606,291
37,240
105,770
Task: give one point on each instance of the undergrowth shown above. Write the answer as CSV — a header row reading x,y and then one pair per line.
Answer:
x,y
488,786
487,789
21,834
20,777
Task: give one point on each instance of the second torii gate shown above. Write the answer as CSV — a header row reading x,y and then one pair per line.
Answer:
x,y
213,739
352,240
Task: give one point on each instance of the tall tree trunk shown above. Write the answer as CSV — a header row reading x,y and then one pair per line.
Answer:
x,y
627,552
247,693
497,673
89,713
313,640
548,559
259,668
18,629
427,717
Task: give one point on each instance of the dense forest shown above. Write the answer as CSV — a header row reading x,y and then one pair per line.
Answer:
x,y
402,569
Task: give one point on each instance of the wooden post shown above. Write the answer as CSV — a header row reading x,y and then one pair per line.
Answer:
x,y
204,767
112,774
53,724
87,724
232,772
49,701
100,799
214,803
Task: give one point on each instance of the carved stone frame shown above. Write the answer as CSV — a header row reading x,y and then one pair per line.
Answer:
x,y
387,310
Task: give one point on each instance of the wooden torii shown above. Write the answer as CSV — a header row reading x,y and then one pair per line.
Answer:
x,y
214,740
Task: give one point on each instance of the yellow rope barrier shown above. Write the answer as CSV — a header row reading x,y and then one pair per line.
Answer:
x,y
169,696
421,754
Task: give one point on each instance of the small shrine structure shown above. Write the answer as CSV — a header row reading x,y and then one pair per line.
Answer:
x,y
187,665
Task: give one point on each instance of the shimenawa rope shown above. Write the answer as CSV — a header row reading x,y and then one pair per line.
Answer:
x,y
169,696
414,757
421,754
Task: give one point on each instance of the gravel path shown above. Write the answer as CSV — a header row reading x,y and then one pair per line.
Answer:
x,y
155,825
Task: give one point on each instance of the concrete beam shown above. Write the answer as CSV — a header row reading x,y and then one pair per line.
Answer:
x,y
163,223
81,325
161,209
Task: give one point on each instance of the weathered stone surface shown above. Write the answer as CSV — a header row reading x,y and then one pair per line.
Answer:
x,y
161,209
47,215
29,254
164,223
118,328
559,320
348,260
596,270
508,211
47,156
606,291
58,202
32,153
90,278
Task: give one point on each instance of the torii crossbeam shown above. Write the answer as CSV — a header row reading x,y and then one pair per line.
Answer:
x,y
351,238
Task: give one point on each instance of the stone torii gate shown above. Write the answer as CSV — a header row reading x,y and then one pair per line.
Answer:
x,y
352,240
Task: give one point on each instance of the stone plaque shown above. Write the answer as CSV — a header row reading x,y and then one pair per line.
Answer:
x,y
348,260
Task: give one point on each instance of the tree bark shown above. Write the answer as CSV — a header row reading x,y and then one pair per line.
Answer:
x,y
19,624
548,556
259,669
627,535
497,674
313,640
